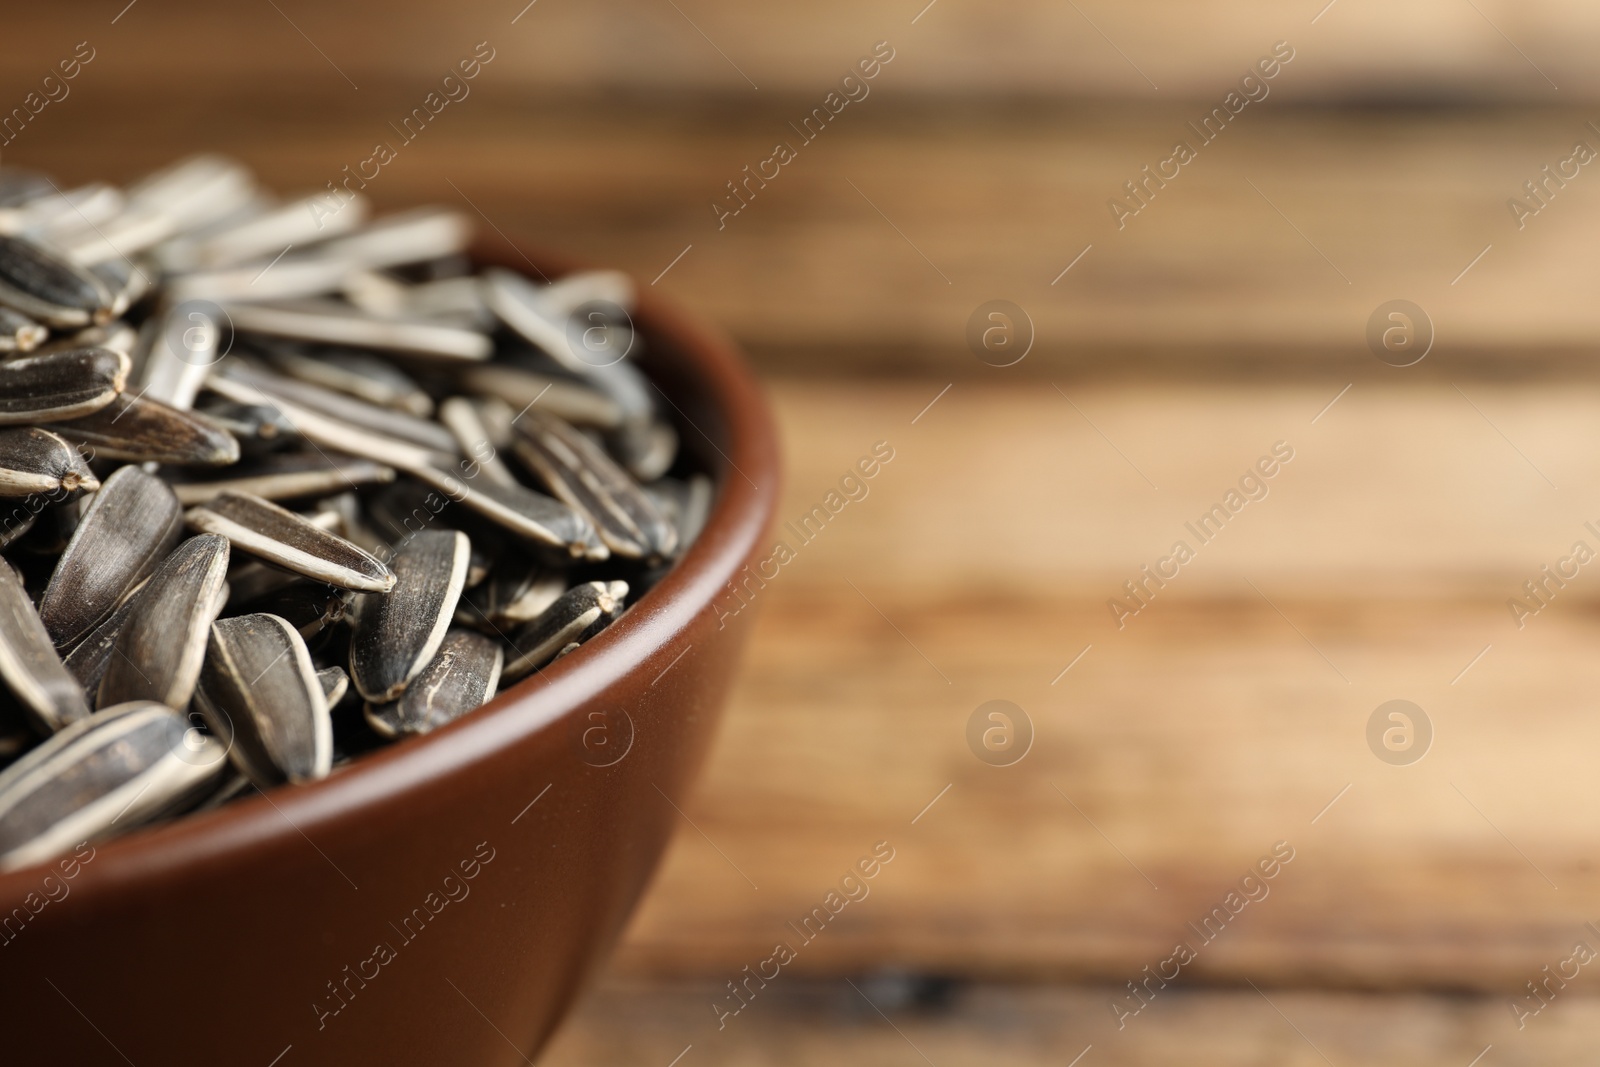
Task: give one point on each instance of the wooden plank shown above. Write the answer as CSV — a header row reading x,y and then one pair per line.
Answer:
x,y
794,1022
1432,48
875,247
1215,724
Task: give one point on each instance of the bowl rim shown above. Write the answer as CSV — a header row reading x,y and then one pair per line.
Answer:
x,y
742,511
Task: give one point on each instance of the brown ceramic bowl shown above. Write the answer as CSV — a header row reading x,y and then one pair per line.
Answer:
x,y
336,923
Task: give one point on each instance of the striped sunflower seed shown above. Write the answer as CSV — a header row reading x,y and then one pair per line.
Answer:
x,y
127,282
397,634
357,374
259,428
516,593
561,396
288,477
310,607
460,416
582,476
145,430
131,525
335,684
104,774
279,536
50,288
158,651
578,614
330,324
260,692
526,513
348,409
37,461
28,662
462,675
18,333
90,657
60,385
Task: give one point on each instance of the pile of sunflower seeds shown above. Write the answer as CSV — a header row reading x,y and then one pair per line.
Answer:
x,y
280,483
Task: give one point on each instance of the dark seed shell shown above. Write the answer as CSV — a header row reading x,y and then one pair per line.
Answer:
x,y
579,614
582,476
104,774
131,525
461,676
159,649
49,287
259,691
29,664
37,461
397,633
60,386
279,536
147,431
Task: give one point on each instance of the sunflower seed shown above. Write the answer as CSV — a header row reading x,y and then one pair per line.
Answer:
x,y
258,428
117,336
64,385
460,416
310,607
566,650
397,634
18,333
18,186
347,409
126,282
582,476
89,658
261,693
57,216
686,503
103,774
526,513
130,526
365,377
566,295
175,377
577,615
333,324
37,461
265,235
286,280
28,661
279,536
462,675
562,397
288,477
49,288
524,307
410,237
145,430
195,192
647,450
335,684
331,433
517,593
158,651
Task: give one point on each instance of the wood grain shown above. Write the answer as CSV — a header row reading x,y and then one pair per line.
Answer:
x,y
1539,50
871,252
1222,719
794,1022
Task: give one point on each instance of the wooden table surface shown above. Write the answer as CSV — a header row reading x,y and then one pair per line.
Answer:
x,y
1172,752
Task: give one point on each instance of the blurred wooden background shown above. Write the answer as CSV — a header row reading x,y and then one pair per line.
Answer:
x,y
1228,315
